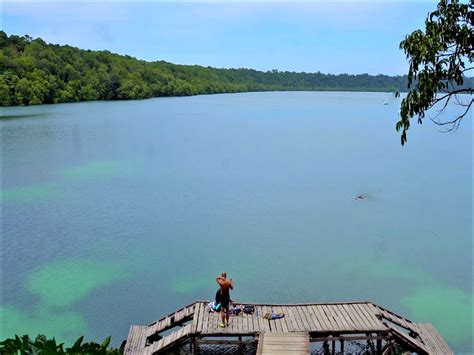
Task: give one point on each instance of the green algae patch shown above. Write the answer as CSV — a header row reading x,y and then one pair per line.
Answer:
x,y
103,169
449,309
36,192
64,282
377,267
64,326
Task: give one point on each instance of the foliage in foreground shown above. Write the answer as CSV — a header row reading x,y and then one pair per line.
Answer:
x,y
42,345
439,58
34,72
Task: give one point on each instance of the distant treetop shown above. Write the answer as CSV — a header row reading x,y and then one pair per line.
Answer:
x,y
34,72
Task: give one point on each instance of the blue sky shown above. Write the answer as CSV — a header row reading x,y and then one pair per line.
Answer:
x,y
331,37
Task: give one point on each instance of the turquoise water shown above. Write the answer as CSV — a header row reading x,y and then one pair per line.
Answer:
x,y
116,213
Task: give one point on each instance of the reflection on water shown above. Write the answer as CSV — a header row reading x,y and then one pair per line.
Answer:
x,y
121,212
4,116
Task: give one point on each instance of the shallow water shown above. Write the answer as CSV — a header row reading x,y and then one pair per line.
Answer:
x,y
116,213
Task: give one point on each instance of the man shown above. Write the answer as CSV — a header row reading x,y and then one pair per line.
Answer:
x,y
224,297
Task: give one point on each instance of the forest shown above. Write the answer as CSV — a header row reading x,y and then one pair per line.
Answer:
x,y
34,72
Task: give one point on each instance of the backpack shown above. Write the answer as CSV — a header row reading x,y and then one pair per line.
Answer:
x,y
249,309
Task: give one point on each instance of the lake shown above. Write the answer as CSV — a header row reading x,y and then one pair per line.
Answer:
x,y
117,213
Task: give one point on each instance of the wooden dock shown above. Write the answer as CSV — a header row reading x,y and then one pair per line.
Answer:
x,y
295,343
333,324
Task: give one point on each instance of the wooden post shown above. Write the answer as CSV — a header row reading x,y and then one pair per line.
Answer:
x,y
325,347
333,351
342,346
379,346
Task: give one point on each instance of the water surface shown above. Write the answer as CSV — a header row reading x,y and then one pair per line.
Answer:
x,y
116,213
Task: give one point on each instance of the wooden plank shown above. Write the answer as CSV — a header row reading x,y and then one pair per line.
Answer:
x,y
260,343
368,318
256,322
356,320
207,321
188,310
351,319
195,318
242,323
342,316
397,320
409,340
317,319
130,345
307,317
295,319
312,318
331,317
328,319
429,334
428,339
142,337
304,320
307,314
367,325
288,322
282,321
266,323
371,316
286,343
136,339
275,323
321,316
182,314
157,346
171,339
187,330
338,317
259,318
204,320
393,317
198,319
244,320
234,323
443,344
250,323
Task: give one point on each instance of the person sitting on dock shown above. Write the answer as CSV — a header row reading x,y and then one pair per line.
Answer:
x,y
224,290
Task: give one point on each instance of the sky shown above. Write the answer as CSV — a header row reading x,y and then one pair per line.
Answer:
x,y
306,36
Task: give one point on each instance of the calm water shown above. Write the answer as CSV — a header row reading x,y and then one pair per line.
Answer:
x,y
116,213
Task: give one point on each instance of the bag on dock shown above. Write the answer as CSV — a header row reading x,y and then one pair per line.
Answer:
x,y
249,309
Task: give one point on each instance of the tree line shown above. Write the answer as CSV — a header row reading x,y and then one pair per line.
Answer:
x,y
34,72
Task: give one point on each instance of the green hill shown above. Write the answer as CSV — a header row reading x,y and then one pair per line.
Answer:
x,y
34,72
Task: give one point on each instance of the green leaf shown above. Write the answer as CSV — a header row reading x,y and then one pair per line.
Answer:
x,y
106,342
